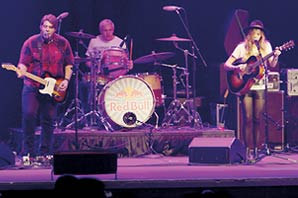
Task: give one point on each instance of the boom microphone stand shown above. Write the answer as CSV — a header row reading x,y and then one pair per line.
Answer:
x,y
194,48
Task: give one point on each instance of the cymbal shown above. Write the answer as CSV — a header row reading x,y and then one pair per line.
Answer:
x,y
80,35
173,38
154,57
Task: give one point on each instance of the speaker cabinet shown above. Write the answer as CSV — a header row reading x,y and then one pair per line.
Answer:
x,y
274,117
213,150
82,163
7,157
291,120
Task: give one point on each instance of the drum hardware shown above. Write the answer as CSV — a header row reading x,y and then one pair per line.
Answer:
x,y
178,111
154,57
93,113
195,50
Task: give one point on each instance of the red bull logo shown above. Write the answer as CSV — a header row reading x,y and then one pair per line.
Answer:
x,y
129,92
130,106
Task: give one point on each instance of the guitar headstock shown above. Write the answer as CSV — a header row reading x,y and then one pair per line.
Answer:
x,y
287,46
9,66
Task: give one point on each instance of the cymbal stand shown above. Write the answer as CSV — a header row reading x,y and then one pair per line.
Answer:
x,y
178,111
196,120
76,103
94,114
74,106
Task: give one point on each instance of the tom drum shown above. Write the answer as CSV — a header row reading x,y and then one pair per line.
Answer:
x,y
114,62
154,80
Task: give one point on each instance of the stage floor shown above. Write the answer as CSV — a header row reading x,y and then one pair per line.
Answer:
x,y
164,172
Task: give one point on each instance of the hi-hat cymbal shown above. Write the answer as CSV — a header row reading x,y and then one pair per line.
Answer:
x,y
154,57
173,38
80,35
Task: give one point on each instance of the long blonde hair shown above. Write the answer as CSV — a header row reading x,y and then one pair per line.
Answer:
x,y
249,42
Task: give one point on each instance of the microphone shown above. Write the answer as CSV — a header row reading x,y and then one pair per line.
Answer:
x,y
62,15
257,43
171,8
124,41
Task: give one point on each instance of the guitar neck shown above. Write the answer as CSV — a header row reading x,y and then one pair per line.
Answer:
x,y
36,78
263,59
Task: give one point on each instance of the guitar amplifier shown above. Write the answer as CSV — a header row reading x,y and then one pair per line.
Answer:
x,y
292,82
273,83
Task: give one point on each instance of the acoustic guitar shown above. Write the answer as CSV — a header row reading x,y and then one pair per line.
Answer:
x,y
240,83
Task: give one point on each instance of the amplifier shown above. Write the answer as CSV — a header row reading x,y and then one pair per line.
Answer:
x,y
291,79
273,81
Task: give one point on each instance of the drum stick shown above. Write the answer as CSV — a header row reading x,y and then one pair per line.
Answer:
x,y
130,53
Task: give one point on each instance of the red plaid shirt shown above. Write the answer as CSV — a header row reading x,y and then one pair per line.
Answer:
x,y
46,59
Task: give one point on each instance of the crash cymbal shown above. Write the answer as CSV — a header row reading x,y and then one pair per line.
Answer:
x,y
154,57
173,38
80,35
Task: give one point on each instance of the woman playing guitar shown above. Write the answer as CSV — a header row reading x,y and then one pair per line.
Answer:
x,y
246,79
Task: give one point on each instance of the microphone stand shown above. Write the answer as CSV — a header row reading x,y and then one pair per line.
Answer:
x,y
194,57
267,150
59,25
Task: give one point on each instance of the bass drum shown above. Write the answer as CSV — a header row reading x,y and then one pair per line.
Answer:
x,y
127,101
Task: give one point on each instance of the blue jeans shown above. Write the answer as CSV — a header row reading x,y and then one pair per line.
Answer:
x,y
37,107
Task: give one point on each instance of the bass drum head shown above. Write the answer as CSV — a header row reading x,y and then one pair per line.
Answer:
x,y
127,95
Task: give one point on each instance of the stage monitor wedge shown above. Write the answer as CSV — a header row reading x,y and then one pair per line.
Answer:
x,y
216,150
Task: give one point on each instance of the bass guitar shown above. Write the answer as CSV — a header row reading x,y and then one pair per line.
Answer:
x,y
50,84
240,83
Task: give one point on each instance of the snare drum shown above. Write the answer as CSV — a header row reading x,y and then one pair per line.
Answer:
x,y
126,95
114,62
154,81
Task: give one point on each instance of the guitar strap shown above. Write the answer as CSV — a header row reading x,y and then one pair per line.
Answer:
x,y
39,46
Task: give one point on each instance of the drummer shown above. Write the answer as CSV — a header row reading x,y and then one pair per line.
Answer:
x,y
106,39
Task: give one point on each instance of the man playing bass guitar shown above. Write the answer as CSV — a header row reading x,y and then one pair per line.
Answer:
x,y
251,90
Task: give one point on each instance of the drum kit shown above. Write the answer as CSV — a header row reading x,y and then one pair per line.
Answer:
x,y
125,101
